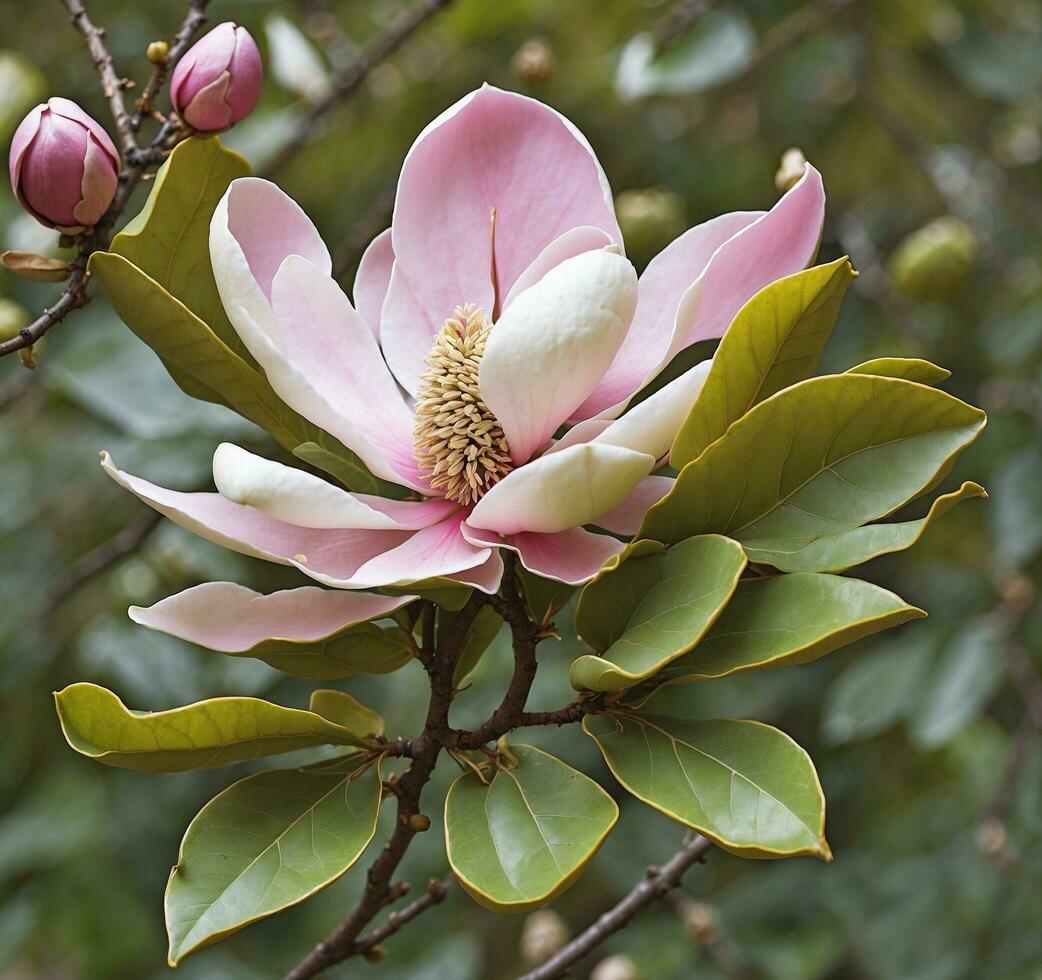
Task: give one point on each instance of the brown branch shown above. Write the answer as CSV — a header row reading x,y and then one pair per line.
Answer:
x,y
348,80
655,885
435,894
343,941
111,84
526,635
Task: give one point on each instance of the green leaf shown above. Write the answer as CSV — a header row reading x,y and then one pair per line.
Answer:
x,y
746,786
479,637
845,549
790,619
361,649
909,368
169,240
652,610
825,455
209,733
527,835
774,341
341,709
265,843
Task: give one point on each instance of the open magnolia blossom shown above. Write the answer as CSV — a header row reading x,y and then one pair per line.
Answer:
x,y
488,361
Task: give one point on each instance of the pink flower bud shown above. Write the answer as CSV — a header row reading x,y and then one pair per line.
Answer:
x,y
64,167
218,81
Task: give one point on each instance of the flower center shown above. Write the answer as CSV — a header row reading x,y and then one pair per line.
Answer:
x,y
459,443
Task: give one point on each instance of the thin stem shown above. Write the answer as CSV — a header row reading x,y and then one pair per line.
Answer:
x,y
655,885
111,84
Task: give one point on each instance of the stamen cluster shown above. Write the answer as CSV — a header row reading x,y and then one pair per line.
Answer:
x,y
459,443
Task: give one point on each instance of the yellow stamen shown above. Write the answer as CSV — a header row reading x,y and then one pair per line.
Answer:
x,y
459,443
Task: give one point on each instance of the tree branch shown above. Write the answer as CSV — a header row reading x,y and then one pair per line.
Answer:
x,y
656,884
350,78
111,84
343,942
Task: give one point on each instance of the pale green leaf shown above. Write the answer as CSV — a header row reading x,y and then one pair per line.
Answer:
x,y
774,341
209,733
652,610
265,843
527,835
746,786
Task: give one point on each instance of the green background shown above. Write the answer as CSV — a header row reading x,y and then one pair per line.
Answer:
x,y
913,110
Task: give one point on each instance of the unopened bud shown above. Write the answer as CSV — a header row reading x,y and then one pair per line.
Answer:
x,y
375,955
932,261
790,170
542,935
158,52
64,167
533,63
420,822
218,81
650,219
618,967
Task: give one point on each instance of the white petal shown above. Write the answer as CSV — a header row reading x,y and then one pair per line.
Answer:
x,y
561,490
553,344
291,495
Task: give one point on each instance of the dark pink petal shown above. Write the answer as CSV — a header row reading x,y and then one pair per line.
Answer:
x,y
572,556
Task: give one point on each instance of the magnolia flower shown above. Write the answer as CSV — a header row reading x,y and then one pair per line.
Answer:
x,y
64,167
218,81
497,338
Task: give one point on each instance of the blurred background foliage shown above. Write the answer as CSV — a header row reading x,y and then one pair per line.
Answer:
x,y
924,117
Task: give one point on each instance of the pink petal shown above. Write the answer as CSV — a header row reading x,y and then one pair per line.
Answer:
x,y
493,149
372,279
254,228
781,243
485,577
70,110
701,306
572,556
571,243
98,185
323,554
230,618
338,378
661,286
435,551
628,516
